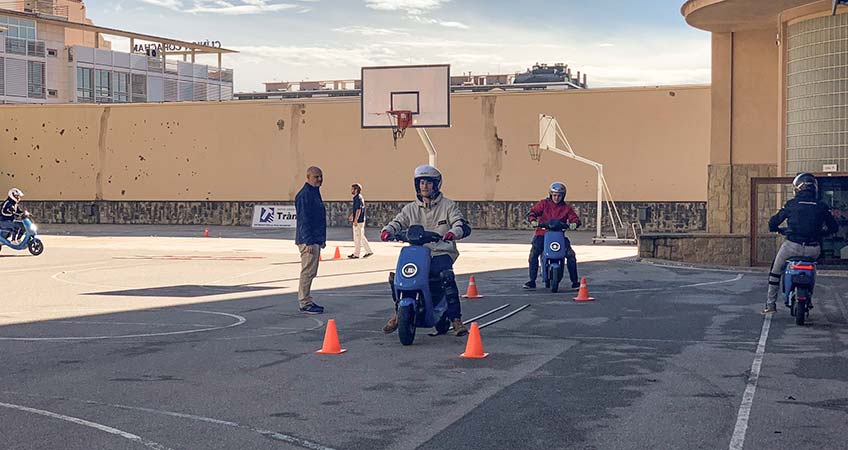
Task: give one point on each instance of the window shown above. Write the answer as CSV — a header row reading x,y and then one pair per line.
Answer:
x,y
139,88
85,92
120,87
102,86
35,77
19,28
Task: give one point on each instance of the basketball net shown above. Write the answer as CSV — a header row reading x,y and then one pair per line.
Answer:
x,y
400,121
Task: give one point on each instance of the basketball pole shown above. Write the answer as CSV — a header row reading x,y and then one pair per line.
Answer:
x,y
549,131
428,144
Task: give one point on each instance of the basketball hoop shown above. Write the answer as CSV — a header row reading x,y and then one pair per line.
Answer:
x,y
402,121
535,152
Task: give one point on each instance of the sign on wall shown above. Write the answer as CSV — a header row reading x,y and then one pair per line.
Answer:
x,y
274,216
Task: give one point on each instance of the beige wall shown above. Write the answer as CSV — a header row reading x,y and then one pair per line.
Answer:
x,y
756,76
654,145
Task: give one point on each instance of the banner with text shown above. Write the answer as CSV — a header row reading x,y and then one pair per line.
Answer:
x,y
274,216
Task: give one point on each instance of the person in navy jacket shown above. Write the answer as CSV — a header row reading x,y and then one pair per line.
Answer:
x,y
311,236
553,207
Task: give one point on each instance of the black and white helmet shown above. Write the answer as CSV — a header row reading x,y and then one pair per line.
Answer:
x,y
805,182
430,173
16,194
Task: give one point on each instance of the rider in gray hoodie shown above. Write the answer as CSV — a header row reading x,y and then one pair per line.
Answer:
x,y
439,214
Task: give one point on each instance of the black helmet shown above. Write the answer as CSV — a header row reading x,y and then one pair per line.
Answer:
x,y
805,182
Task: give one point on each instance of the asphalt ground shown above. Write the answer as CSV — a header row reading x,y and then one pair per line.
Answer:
x,y
134,337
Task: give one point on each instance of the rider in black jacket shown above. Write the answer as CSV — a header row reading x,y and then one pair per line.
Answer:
x,y
806,217
10,212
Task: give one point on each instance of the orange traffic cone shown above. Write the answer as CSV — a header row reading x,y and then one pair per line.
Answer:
x,y
206,232
472,289
583,293
474,347
331,340
338,254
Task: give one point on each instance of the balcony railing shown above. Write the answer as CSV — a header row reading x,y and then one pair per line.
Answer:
x,y
44,7
25,47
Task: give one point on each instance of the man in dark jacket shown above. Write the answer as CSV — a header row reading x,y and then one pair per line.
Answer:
x,y
553,207
311,236
808,220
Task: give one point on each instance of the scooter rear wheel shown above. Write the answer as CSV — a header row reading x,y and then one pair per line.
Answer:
x,y
443,325
800,307
406,324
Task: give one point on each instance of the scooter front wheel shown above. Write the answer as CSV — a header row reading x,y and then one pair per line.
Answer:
x,y
406,324
553,275
35,246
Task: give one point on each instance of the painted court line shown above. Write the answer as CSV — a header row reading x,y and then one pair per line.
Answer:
x,y
239,320
738,439
267,433
86,423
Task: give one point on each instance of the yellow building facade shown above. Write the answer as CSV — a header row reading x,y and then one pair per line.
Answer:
x,y
779,106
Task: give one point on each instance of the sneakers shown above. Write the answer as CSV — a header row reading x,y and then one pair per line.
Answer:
x,y
391,325
529,285
769,309
312,308
459,328
352,256
367,255
575,286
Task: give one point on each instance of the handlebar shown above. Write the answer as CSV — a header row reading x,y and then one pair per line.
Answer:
x,y
553,225
416,235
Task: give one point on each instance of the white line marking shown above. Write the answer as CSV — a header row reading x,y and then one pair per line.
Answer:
x,y
41,269
239,320
738,277
83,422
738,439
268,433
56,276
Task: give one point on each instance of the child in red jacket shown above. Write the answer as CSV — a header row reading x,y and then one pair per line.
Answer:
x,y
553,207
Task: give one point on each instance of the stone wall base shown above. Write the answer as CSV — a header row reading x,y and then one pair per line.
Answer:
x,y
698,248
662,217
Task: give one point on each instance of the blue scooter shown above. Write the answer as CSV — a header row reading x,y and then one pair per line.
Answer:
x,y
28,241
553,254
799,279
411,286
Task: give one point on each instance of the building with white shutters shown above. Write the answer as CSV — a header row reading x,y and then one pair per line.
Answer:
x,y
46,57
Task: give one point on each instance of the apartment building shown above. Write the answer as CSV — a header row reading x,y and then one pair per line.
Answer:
x,y
47,58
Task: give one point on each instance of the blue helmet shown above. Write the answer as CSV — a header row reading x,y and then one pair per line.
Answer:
x,y
430,173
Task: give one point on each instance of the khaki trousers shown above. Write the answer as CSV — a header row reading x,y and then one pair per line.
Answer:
x,y
359,238
308,271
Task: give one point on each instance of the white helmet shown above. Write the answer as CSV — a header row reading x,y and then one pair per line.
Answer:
x,y
16,194
430,173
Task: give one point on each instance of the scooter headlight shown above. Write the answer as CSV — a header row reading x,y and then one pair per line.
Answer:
x,y
33,228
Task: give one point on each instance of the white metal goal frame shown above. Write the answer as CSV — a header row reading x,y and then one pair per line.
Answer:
x,y
549,134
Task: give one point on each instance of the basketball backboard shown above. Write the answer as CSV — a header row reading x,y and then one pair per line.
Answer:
x,y
423,90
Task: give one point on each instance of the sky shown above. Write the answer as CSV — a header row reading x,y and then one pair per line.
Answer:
x,y
615,42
